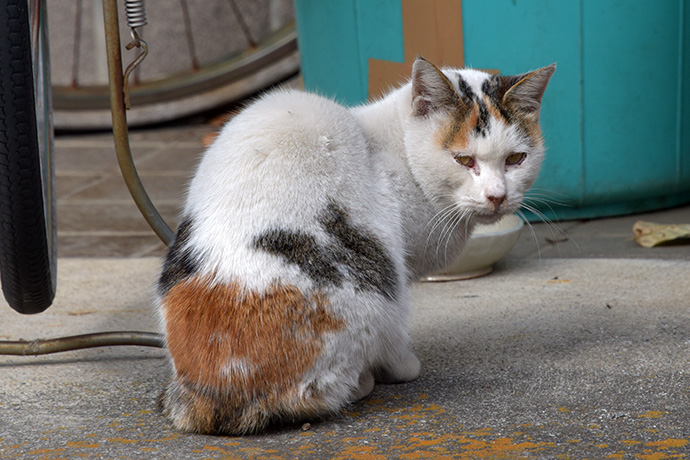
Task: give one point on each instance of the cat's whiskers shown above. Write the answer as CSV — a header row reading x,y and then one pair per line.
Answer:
x,y
548,193
554,229
545,198
438,220
531,229
451,228
535,200
542,197
446,235
447,223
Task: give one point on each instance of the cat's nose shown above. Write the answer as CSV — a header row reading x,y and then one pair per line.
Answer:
x,y
496,200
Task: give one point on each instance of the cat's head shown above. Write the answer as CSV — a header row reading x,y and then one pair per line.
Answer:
x,y
473,139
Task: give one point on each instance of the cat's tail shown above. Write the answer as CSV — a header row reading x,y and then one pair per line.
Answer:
x,y
210,412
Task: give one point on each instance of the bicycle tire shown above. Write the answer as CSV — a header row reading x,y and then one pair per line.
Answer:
x,y
28,249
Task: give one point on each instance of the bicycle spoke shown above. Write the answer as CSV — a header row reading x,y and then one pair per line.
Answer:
x,y
188,35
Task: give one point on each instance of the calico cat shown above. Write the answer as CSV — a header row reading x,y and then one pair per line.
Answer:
x,y
285,293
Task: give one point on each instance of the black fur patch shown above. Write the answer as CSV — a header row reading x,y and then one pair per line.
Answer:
x,y
482,126
465,90
302,250
354,255
179,263
361,252
493,90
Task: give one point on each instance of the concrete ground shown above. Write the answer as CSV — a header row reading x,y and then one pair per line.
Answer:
x,y
576,346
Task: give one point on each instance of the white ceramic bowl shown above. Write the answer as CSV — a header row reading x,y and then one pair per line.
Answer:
x,y
487,245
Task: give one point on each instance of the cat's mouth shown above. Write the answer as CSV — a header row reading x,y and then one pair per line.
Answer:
x,y
489,217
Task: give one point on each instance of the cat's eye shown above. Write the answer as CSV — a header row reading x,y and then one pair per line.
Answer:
x,y
465,160
516,158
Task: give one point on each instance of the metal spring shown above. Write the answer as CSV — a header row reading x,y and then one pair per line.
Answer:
x,y
136,13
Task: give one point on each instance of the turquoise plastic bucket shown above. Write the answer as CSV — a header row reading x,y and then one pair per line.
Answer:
x,y
616,115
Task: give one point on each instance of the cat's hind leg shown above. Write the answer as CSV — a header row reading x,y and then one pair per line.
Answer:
x,y
366,386
404,367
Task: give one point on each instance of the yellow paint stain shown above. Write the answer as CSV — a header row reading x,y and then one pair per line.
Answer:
x,y
45,451
172,437
353,440
482,432
426,455
563,409
148,449
668,443
652,414
500,448
420,408
573,441
435,407
616,455
653,456
360,453
416,442
630,442
255,452
221,451
433,447
85,444
122,440
558,281
601,446
306,446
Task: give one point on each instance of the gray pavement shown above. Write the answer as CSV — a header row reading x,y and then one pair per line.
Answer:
x,y
576,346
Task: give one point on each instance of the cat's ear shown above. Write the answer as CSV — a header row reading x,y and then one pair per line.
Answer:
x,y
431,90
522,93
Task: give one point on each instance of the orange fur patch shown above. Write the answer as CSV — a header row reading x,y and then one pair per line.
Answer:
x,y
241,343
456,134
493,110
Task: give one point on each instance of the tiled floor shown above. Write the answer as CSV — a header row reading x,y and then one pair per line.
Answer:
x,y
97,217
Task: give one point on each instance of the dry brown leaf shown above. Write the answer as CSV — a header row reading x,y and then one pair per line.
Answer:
x,y
649,234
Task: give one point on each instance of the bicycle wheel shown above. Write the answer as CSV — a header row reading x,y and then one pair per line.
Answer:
x,y
202,55
28,249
